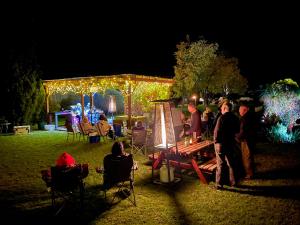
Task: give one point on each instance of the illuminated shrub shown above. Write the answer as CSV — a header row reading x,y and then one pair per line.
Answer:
x,y
282,99
279,133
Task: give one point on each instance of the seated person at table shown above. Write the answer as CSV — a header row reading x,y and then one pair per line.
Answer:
x,y
106,127
139,126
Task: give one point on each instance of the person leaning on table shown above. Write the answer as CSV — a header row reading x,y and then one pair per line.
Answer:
x,y
195,126
224,138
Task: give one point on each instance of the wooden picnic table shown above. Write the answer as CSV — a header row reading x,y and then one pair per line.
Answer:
x,y
187,152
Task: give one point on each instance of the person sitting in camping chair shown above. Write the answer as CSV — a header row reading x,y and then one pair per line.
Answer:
x,y
118,168
139,126
64,179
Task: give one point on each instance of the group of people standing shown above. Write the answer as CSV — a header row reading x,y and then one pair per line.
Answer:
x,y
230,132
234,141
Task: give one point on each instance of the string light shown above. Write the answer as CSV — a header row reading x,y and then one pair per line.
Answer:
x,y
86,85
143,89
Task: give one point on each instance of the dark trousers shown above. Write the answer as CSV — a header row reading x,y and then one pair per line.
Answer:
x,y
225,165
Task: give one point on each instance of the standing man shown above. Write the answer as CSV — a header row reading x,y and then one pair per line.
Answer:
x,y
195,121
224,138
246,137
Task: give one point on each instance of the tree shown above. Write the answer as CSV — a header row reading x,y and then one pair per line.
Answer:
x,y
226,77
193,69
202,70
25,90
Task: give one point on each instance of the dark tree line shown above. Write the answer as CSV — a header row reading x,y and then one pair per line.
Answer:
x,y
22,91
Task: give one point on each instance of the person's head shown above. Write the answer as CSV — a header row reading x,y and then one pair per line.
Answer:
x,y
117,148
221,103
226,107
139,124
102,117
65,159
192,107
243,109
207,109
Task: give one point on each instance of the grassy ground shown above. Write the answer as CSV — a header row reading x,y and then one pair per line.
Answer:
x,y
272,198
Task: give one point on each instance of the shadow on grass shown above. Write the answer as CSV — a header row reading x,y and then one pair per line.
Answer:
x,y
40,209
281,173
284,192
170,190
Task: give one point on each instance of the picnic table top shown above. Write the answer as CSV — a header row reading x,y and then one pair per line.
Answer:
x,y
191,148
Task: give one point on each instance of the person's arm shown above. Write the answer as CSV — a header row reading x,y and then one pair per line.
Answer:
x,y
241,134
218,131
195,123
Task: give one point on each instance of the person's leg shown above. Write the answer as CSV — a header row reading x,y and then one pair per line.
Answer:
x,y
230,163
247,160
111,134
220,158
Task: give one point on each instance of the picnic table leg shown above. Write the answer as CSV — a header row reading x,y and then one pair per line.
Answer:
x,y
157,161
198,171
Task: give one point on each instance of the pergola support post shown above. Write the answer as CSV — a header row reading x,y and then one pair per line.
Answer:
x,y
82,106
129,106
91,105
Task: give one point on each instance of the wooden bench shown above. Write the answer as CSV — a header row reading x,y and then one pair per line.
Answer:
x,y
209,166
22,129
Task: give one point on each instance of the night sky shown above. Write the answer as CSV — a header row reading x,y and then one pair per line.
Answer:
x,y
141,38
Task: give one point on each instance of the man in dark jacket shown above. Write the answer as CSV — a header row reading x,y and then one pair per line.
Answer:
x,y
224,138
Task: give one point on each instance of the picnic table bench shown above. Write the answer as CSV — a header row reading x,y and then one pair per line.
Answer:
x,y
189,154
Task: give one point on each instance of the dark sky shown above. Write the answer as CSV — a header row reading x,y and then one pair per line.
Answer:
x,y
142,38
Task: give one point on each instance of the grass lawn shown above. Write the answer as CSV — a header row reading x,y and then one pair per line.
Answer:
x,y
272,198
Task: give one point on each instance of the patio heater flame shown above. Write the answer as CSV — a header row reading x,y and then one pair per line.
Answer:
x,y
164,137
163,127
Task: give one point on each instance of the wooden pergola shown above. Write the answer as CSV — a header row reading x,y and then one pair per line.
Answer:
x,y
125,83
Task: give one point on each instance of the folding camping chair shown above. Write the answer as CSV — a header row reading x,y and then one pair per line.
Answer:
x,y
71,130
138,141
119,172
66,184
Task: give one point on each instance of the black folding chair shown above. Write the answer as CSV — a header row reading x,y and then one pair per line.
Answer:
x,y
66,184
138,141
119,172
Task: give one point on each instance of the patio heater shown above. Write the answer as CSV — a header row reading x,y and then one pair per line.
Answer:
x,y
112,106
164,135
